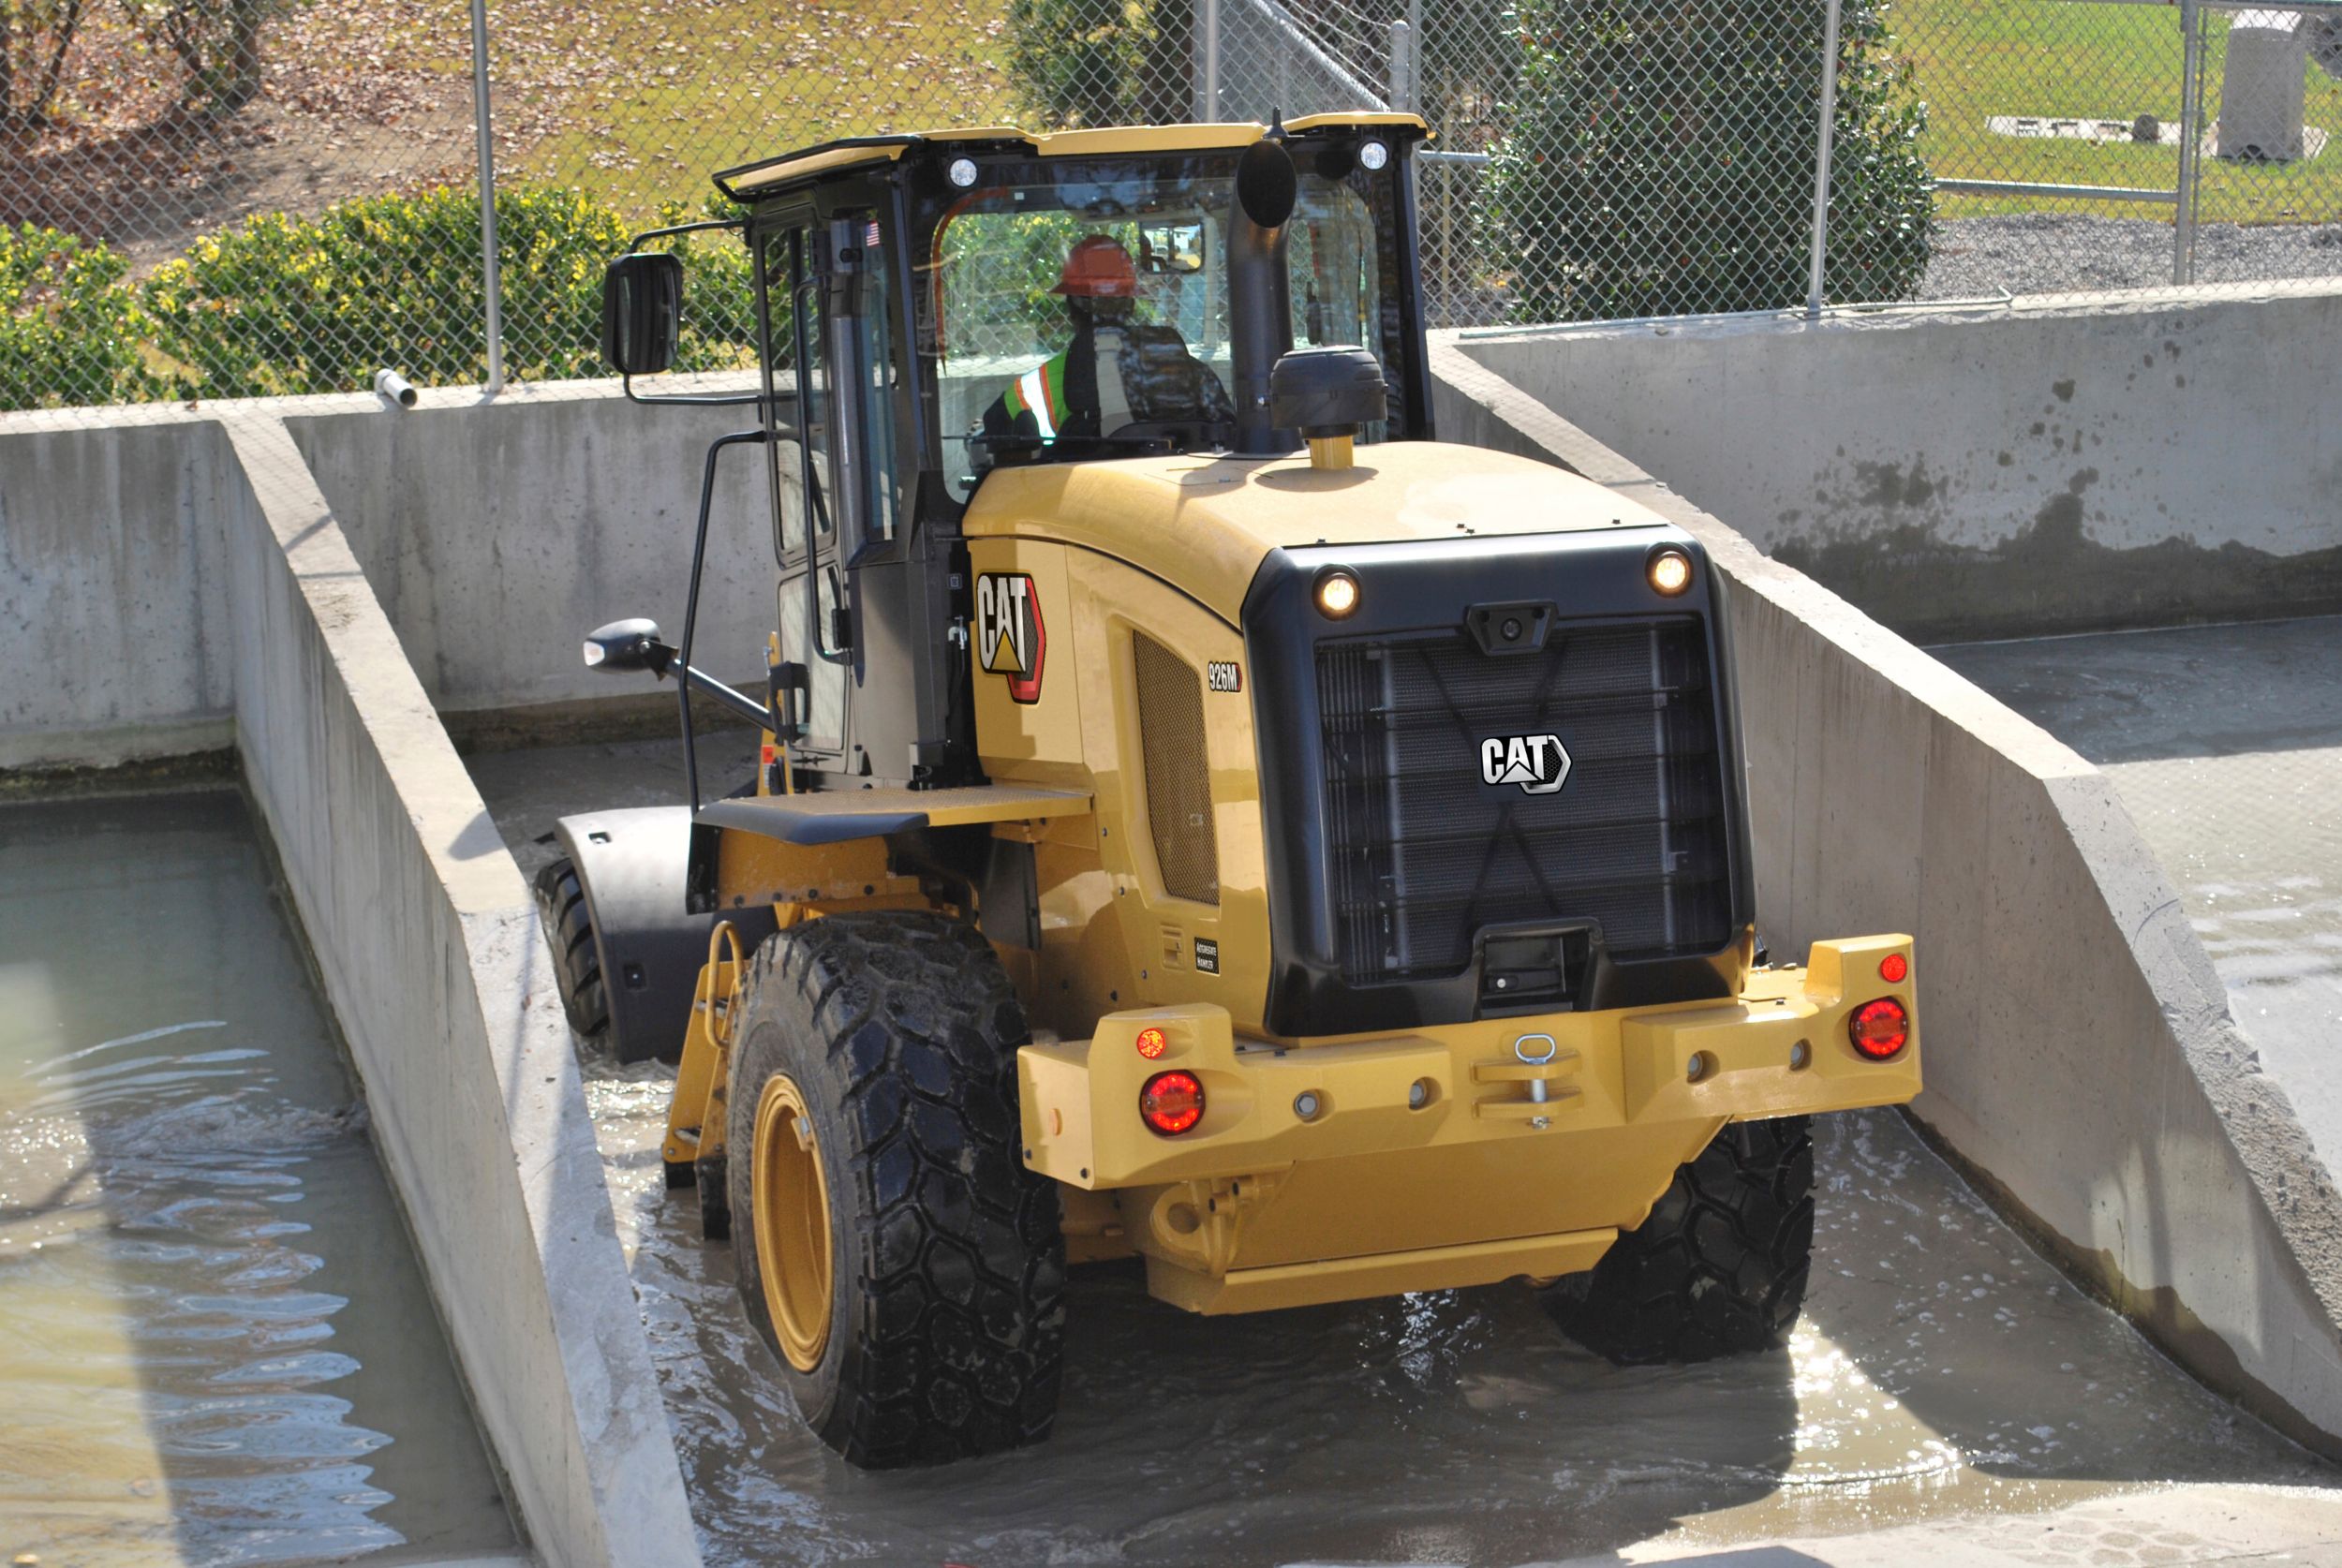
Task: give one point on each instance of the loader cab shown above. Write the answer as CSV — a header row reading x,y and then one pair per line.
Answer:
x,y
918,328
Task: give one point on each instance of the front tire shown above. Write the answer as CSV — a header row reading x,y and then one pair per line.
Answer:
x,y
893,1252
1720,1265
576,954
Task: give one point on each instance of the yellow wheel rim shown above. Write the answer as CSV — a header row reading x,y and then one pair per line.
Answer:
x,y
792,1217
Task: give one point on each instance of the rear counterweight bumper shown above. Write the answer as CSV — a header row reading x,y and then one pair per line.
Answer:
x,y
1453,1155
1781,1049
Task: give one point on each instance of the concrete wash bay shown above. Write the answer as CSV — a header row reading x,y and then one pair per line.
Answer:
x,y
349,595
1943,1372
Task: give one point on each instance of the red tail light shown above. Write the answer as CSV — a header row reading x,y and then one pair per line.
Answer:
x,y
1893,969
1879,1029
1172,1102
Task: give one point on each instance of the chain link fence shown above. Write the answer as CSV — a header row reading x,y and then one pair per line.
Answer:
x,y
224,197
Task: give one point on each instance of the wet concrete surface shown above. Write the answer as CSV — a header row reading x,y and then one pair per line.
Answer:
x,y
1943,1374
2225,743
215,1345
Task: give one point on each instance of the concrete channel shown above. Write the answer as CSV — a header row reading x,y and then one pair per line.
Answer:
x,y
2083,1302
215,1338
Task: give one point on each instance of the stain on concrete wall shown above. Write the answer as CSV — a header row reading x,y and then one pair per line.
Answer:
x,y
2054,575
2056,466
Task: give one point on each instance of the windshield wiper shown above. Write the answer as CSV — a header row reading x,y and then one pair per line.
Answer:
x,y
1002,447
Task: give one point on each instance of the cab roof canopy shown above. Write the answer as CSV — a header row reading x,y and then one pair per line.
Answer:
x,y
763,178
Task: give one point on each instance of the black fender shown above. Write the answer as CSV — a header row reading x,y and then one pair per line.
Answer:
x,y
633,865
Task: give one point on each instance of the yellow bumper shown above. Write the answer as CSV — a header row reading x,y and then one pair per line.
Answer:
x,y
1439,1156
1782,1049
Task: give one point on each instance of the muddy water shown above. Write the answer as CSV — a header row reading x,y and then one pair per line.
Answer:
x,y
216,1347
2226,744
1941,1371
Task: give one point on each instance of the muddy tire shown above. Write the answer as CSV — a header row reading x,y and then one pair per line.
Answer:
x,y
576,958
920,1318
1720,1266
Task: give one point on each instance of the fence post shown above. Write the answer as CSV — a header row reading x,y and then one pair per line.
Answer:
x,y
1403,67
2190,142
487,195
1208,57
1825,138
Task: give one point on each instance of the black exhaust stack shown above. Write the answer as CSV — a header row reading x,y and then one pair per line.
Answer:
x,y
1260,298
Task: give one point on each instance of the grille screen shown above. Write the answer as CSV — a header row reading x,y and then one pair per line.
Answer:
x,y
1178,778
1425,854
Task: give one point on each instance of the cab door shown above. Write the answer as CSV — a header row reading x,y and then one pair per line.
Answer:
x,y
804,530
826,326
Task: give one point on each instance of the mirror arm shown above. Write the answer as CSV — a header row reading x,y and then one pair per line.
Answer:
x,y
731,697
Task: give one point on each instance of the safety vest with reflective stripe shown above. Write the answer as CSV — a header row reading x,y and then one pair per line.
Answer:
x,y
1041,391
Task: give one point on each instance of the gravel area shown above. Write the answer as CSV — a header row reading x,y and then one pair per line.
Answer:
x,y
2053,253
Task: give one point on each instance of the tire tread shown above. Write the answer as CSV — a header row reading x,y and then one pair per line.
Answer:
x,y
957,1345
1721,1264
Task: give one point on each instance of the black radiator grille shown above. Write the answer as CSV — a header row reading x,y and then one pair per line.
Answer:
x,y
1425,854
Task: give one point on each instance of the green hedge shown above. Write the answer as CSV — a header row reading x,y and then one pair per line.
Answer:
x,y
1661,160
71,331
284,305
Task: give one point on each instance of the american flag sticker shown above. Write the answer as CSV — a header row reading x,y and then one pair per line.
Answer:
x,y
870,236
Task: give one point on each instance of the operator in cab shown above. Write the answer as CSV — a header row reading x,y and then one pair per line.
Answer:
x,y
1117,371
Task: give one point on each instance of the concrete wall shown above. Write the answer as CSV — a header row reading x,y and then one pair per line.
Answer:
x,y
112,587
496,534
2081,1062
437,971
2055,464
181,581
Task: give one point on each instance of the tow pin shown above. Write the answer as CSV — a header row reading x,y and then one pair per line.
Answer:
x,y
1537,1085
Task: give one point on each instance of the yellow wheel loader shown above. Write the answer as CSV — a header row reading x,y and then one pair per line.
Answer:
x,y
1201,816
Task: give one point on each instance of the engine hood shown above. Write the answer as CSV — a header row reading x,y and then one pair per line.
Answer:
x,y
1205,524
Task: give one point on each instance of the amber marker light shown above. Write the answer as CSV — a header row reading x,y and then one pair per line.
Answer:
x,y
1669,570
1171,1103
1152,1043
1895,969
1336,594
1879,1029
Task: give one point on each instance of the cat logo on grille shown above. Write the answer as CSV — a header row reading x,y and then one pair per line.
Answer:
x,y
1009,639
1538,763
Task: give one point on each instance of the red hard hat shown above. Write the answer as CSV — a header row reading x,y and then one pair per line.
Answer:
x,y
1098,268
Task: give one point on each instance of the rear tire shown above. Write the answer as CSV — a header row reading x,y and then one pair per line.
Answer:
x,y
576,955
1721,1264
878,1052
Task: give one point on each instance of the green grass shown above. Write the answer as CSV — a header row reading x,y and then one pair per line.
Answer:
x,y
719,82
1977,58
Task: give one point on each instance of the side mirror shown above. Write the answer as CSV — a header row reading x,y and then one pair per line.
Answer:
x,y
642,310
628,645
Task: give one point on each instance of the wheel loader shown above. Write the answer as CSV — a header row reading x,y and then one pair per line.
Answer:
x,y
1200,816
